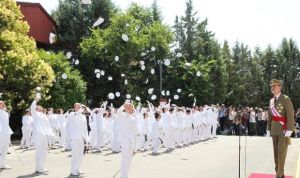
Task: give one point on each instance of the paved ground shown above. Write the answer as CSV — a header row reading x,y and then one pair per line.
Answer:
x,y
217,158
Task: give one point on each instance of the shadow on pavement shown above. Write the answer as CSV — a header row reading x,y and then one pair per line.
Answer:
x,y
32,175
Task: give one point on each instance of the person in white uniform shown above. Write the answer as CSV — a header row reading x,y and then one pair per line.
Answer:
x,y
156,133
62,120
93,133
54,123
78,133
41,131
5,133
127,133
215,121
27,126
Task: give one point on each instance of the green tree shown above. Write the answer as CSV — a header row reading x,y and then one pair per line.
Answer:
x,y
148,42
156,13
288,56
64,92
74,20
189,22
228,69
21,69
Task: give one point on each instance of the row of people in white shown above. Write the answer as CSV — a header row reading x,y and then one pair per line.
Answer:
x,y
179,127
59,129
129,130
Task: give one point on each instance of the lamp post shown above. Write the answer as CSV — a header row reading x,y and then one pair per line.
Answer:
x,y
160,79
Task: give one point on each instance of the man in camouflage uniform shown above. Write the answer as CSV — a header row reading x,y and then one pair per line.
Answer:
x,y
280,125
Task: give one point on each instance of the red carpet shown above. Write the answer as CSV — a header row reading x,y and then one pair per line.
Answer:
x,y
257,175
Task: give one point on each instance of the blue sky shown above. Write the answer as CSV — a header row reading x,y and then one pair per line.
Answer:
x,y
254,22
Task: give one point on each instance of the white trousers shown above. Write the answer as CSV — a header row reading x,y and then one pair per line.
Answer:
x,y
156,143
54,139
93,138
140,139
169,139
194,134
100,141
63,138
116,143
77,147
146,141
26,138
214,131
4,145
41,144
126,157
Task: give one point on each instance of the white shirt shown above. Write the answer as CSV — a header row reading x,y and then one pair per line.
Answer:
x,y
156,130
128,128
93,123
99,122
277,96
77,126
62,120
4,123
40,122
54,123
27,122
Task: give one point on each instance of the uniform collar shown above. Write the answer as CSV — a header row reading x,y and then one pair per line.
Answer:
x,y
277,96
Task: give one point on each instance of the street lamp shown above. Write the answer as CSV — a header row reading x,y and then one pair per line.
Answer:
x,y
160,79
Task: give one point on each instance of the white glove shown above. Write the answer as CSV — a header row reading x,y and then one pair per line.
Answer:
x,y
38,96
268,133
288,133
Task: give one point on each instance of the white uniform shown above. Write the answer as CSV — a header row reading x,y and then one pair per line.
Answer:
x,y
108,131
127,133
99,126
41,130
155,135
93,133
208,118
146,132
140,137
215,121
180,125
167,124
27,127
62,120
202,124
78,133
68,141
116,127
55,128
5,133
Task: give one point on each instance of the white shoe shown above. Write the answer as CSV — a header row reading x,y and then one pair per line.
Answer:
x,y
42,171
80,172
74,174
5,167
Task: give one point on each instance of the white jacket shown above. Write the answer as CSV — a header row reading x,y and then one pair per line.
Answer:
x,y
27,123
128,127
40,122
77,126
4,123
